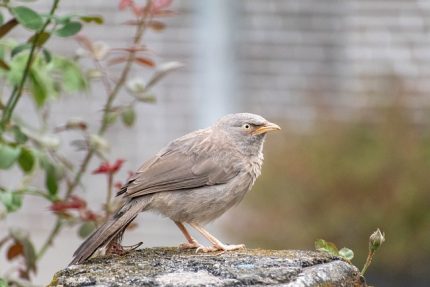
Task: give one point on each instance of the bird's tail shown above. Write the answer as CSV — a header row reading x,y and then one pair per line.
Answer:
x,y
109,230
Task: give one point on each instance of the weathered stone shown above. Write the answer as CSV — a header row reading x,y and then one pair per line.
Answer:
x,y
171,267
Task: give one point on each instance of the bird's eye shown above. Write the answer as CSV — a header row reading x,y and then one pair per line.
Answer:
x,y
246,126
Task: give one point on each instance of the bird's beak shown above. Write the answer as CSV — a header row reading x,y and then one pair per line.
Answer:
x,y
267,127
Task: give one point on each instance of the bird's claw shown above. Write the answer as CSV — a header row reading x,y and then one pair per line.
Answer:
x,y
220,247
118,249
189,245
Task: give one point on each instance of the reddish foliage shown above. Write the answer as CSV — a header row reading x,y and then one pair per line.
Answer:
x,y
24,274
107,168
154,7
130,174
88,215
118,185
158,5
15,250
124,4
74,202
85,42
157,25
144,61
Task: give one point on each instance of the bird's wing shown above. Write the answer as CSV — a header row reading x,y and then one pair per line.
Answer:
x,y
189,162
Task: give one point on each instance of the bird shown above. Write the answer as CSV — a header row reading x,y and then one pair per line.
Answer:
x,y
193,180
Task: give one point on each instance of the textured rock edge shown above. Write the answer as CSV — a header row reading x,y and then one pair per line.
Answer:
x,y
171,267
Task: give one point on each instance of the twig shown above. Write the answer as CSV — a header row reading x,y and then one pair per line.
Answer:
x,y
17,91
368,261
104,125
109,195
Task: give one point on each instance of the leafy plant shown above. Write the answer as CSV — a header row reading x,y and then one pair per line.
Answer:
x,y
376,239
29,67
329,247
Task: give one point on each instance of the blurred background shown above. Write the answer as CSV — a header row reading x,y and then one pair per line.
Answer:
x,y
348,81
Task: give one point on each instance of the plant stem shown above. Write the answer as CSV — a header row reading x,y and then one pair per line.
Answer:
x,y
57,227
368,261
17,91
103,127
109,195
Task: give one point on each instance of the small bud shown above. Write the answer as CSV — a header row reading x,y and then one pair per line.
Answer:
x,y
376,240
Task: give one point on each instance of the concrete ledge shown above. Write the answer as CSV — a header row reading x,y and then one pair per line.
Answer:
x,y
171,267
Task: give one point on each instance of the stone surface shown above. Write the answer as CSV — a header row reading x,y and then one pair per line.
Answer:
x,y
171,267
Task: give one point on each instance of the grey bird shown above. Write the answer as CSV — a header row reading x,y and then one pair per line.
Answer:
x,y
193,180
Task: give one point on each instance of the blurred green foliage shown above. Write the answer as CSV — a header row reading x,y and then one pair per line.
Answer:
x,y
341,180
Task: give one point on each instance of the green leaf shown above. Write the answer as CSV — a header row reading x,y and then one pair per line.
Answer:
x,y
8,155
61,20
17,66
111,118
329,247
28,18
47,55
72,77
51,180
128,116
26,160
11,200
41,38
86,229
42,82
29,254
1,19
38,88
69,29
346,253
96,19
20,137
3,282
19,48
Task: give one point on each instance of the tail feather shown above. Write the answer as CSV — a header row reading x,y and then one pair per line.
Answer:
x,y
108,231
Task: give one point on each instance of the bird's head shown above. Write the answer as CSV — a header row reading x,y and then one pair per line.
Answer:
x,y
248,131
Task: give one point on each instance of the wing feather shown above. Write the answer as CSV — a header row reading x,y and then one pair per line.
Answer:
x,y
189,162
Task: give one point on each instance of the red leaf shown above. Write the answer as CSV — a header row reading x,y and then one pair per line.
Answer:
x,y
84,42
74,202
124,4
118,185
5,28
15,250
158,5
24,274
157,25
137,48
108,168
117,165
138,11
88,215
145,62
117,60
164,13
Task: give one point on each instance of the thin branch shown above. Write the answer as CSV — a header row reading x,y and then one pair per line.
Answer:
x,y
109,195
103,127
17,91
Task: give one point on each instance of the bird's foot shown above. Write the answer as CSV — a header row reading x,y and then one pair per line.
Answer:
x,y
220,247
190,245
118,249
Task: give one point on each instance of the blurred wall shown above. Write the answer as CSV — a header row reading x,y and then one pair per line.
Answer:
x,y
287,60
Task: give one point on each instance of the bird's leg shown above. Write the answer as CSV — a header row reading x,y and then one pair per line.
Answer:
x,y
217,245
115,247
192,243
